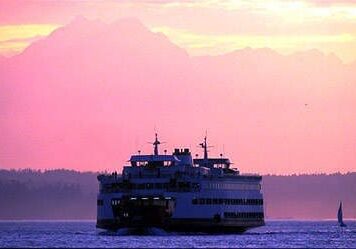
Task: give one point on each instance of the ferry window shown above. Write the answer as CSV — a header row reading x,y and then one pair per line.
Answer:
x,y
208,201
201,201
195,185
158,185
227,214
167,204
221,201
215,201
115,202
195,201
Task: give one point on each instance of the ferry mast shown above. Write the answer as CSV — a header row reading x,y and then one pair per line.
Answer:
x,y
204,145
155,145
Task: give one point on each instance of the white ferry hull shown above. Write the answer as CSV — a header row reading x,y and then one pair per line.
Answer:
x,y
236,212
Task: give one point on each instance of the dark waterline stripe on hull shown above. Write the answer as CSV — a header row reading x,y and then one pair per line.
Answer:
x,y
187,225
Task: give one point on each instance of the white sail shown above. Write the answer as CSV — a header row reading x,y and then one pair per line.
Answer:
x,y
340,216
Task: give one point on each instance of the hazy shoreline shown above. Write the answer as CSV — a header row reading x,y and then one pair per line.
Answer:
x,y
70,195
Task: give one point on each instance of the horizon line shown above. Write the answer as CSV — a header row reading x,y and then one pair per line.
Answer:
x,y
106,171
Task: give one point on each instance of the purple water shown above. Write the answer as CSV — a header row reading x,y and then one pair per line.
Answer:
x,y
312,234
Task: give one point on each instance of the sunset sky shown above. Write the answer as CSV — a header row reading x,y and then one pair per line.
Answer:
x,y
201,27
84,84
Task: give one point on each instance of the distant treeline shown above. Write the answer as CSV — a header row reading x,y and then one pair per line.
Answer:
x,y
68,194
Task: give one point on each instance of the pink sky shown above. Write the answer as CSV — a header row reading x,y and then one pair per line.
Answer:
x,y
201,27
92,92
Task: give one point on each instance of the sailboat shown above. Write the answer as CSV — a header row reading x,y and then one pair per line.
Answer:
x,y
339,216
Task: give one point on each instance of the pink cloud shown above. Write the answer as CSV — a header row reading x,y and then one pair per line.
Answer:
x,y
332,2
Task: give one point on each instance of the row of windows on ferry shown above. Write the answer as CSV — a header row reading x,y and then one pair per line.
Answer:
x,y
183,185
220,201
166,185
232,186
250,215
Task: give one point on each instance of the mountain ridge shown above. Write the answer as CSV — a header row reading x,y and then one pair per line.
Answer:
x,y
79,22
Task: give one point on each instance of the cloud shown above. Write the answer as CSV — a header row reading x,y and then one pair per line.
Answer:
x,y
15,38
333,2
15,46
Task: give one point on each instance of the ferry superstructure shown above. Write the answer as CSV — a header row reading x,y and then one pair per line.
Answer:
x,y
178,193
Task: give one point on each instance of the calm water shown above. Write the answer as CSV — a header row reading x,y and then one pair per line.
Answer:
x,y
84,234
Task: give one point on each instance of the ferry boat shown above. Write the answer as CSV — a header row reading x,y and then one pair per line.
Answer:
x,y
178,193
